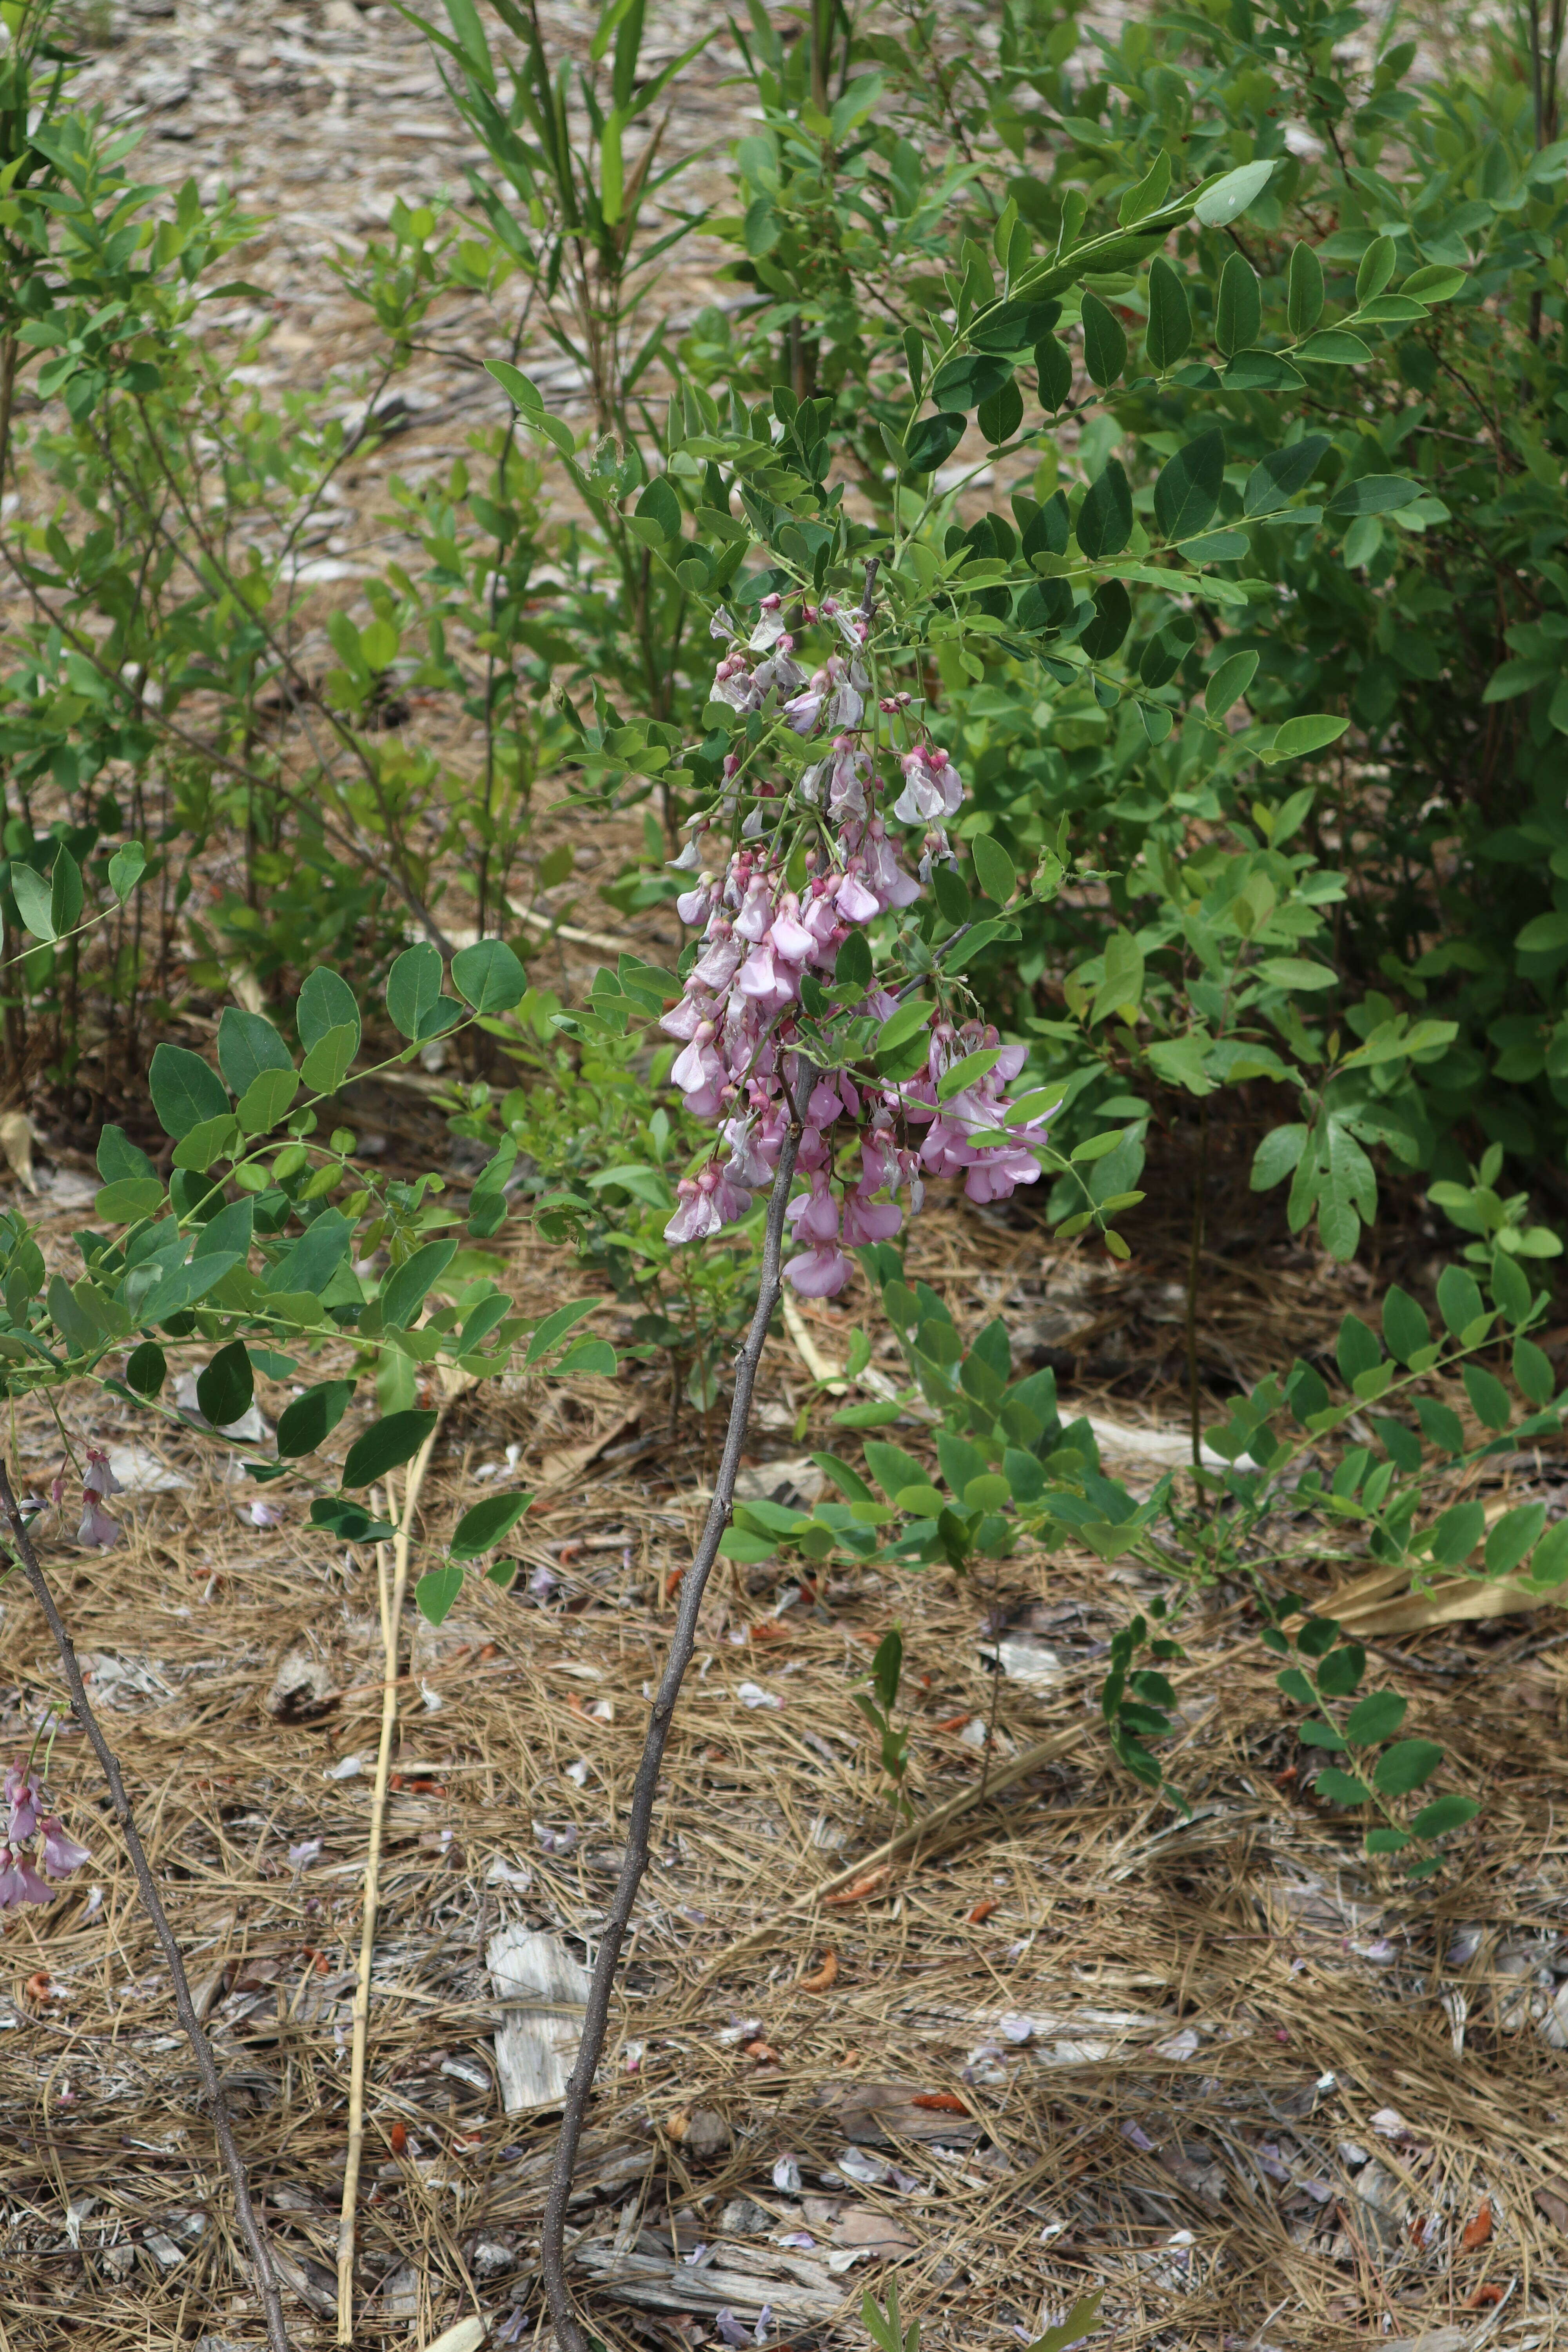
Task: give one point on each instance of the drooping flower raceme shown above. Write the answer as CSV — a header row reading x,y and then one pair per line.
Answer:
x,y
25,1821
780,886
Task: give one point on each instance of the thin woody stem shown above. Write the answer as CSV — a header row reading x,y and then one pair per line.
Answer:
x,y
570,2336
206,2065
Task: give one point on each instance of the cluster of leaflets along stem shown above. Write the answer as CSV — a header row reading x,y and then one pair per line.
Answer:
x,y
1009,1469
1053,582
269,1237
1216,990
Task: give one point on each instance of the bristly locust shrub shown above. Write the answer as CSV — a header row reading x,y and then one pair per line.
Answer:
x,y
1396,551
827,1013
828,1000
1092,601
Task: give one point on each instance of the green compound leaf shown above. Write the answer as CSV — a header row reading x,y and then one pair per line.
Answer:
x,y
310,1419
487,1523
1405,1765
186,1091
385,1445
437,1591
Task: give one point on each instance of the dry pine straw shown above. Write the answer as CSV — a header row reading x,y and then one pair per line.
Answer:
x,y
1193,1983
1252,1928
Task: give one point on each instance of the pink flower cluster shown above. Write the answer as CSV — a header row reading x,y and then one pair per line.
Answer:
x,y
20,1881
743,1063
97,1528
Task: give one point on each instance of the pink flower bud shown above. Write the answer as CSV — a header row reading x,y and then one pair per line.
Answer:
x,y
99,1479
97,1530
25,1796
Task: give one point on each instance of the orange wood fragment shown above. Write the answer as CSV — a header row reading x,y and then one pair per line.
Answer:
x,y
869,1885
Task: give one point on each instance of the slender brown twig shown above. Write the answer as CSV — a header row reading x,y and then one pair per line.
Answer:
x,y
570,2333
206,2065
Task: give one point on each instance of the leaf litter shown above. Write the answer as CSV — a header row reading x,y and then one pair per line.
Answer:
x,y
1066,2040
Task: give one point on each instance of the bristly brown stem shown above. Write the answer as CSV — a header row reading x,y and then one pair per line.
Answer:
x,y
570,2333
206,2065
